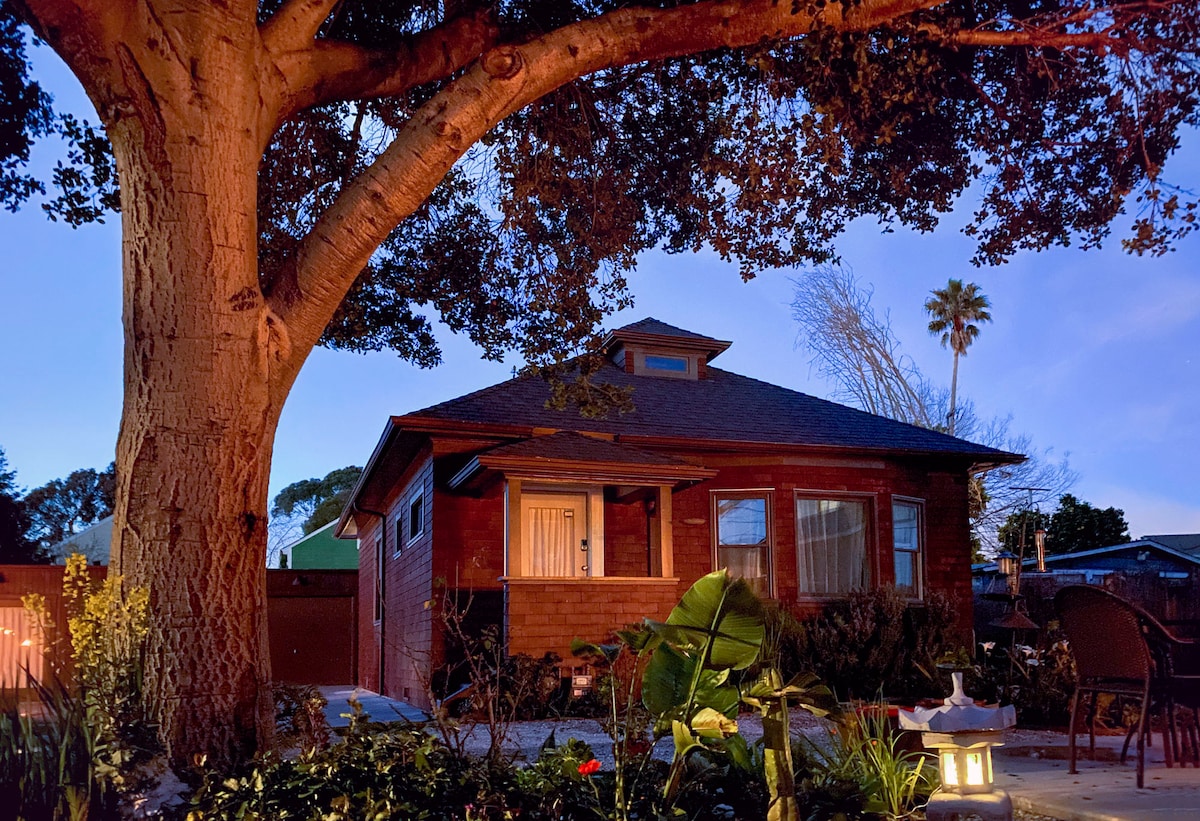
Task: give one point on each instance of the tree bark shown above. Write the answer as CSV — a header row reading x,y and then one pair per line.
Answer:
x,y
202,353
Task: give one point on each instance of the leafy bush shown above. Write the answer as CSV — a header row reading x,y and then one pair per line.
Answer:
x,y
1037,680
300,717
862,772
84,739
376,772
870,643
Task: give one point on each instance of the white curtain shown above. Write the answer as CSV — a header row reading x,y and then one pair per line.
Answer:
x,y
551,542
831,536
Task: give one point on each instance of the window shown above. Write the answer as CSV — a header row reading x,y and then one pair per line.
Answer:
x,y
397,536
675,364
743,537
416,517
831,546
906,546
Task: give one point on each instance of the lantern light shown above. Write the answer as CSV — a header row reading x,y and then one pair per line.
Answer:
x,y
1006,563
963,734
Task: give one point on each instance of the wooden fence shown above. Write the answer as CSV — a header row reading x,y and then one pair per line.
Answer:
x,y
311,617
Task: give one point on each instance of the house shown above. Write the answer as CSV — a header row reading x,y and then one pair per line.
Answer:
x,y
1162,578
562,526
93,542
319,550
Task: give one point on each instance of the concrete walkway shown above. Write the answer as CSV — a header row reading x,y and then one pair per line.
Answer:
x,y
379,708
1034,771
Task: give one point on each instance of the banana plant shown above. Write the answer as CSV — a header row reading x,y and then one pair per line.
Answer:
x,y
771,697
717,628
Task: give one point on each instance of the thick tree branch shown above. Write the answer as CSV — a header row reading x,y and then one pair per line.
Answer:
x,y
325,71
295,23
503,81
81,31
1104,41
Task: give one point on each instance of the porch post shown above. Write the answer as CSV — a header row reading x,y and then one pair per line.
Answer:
x,y
661,542
514,564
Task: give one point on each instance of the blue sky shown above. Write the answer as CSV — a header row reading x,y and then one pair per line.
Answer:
x,y
1095,354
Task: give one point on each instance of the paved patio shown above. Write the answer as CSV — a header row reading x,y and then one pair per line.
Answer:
x,y
379,708
1033,768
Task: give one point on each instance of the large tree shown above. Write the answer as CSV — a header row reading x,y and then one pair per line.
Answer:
x,y
854,348
63,507
306,169
955,312
15,548
1075,525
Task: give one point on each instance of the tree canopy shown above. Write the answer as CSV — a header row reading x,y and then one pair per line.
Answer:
x,y
316,502
15,547
295,172
62,507
763,152
1074,525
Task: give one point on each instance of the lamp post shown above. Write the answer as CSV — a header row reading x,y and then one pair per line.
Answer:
x,y
963,735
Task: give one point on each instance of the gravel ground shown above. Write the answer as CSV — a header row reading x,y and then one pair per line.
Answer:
x,y
526,738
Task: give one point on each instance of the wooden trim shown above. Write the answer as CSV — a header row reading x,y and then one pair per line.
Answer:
x,y
513,548
767,494
585,580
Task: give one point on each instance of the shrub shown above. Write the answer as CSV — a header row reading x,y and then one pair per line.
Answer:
x,y
870,643
376,772
83,741
862,772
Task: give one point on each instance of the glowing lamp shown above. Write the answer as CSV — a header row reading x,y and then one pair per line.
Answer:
x,y
1006,563
962,734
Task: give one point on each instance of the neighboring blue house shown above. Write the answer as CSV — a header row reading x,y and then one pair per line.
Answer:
x,y
1162,573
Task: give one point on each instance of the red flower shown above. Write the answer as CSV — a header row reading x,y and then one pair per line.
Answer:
x,y
589,767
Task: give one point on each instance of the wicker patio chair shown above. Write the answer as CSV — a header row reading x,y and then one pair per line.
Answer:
x,y
1112,655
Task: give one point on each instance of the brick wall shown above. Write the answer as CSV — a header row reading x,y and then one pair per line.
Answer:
x,y
469,533
546,616
405,634
947,549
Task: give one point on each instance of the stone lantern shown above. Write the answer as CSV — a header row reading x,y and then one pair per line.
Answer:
x,y
963,735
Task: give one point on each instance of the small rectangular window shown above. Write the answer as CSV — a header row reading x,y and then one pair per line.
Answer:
x,y
743,538
674,364
397,536
831,546
416,517
906,547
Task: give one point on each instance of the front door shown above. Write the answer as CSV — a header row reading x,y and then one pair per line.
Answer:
x,y
554,529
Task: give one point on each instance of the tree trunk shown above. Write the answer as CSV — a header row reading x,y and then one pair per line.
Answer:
x,y
954,394
194,450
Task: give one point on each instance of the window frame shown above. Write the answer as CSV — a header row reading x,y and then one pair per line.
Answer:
x,y
767,494
417,498
398,544
922,549
870,537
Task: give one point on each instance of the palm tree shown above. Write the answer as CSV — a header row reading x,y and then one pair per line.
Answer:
x,y
955,310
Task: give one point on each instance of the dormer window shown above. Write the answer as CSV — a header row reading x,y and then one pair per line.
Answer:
x,y
670,364
653,348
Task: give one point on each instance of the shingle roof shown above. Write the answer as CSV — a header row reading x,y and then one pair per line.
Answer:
x,y
723,407
1185,542
650,325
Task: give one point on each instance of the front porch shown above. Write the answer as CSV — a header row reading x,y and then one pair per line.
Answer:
x,y
543,615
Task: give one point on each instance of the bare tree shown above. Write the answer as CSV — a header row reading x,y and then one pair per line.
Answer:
x,y
855,350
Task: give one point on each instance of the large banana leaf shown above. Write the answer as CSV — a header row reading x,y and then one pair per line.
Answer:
x,y
671,683
719,619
